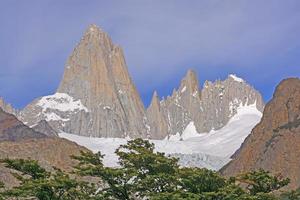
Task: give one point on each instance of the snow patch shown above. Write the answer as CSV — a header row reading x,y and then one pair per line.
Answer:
x,y
54,117
61,102
195,93
176,137
183,89
190,131
234,77
107,108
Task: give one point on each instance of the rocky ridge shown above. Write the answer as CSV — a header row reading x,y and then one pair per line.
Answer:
x,y
274,144
11,129
207,109
44,127
20,141
97,97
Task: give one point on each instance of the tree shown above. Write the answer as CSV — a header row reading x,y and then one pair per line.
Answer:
x,y
262,181
291,195
154,172
35,181
178,195
117,181
143,174
197,181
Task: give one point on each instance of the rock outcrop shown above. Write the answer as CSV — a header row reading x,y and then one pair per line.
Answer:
x,y
49,152
11,129
96,96
156,119
19,141
208,109
44,127
274,144
183,106
220,100
7,107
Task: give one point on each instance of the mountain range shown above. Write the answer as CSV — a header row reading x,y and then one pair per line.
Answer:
x,y
97,97
97,105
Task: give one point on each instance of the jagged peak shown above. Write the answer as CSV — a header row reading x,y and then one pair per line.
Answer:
x,y
155,95
97,36
189,82
191,73
94,41
155,99
93,28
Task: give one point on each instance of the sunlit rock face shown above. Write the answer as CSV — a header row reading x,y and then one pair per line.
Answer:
x,y
209,108
96,96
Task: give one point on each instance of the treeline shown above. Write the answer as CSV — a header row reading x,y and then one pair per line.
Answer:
x,y
143,174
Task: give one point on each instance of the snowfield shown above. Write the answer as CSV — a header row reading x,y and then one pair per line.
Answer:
x,y
210,150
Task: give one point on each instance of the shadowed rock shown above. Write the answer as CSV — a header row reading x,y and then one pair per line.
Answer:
x,y
44,127
11,129
274,144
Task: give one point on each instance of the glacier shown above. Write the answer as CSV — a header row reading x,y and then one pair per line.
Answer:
x,y
209,150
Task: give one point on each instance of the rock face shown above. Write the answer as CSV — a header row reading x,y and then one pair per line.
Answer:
x,y
19,141
11,129
274,144
44,127
208,109
96,96
156,119
49,152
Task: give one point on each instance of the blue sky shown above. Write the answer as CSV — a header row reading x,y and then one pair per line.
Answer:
x,y
257,40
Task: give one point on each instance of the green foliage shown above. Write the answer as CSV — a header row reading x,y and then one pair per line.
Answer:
x,y
143,174
153,172
177,195
291,195
196,180
262,182
37,182
27,167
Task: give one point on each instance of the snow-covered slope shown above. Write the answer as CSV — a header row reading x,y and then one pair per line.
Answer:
x,y
211,150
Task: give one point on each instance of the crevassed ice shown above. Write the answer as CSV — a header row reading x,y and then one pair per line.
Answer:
x,y
61,102
211,150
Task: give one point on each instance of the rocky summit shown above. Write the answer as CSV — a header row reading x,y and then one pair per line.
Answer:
x,y
207,109
97,97
274,144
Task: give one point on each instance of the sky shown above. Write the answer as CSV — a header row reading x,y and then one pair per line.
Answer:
x,y
256,40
